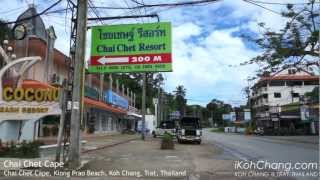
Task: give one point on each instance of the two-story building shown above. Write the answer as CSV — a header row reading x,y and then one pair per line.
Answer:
x,y
106,108
274,93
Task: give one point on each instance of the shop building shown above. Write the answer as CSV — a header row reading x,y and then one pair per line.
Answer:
x,y
102,113
276,98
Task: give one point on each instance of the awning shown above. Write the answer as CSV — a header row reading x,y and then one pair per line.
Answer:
x,y
240,122
35,84
27,83
134,114
101,105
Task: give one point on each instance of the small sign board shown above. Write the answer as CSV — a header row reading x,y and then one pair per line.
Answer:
x,y
232,116
131,48
226,117
115,99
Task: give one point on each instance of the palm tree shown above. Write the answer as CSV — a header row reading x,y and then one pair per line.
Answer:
x,y
181,102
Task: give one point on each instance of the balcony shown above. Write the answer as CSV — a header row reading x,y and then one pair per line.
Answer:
x,y
262,114
57,80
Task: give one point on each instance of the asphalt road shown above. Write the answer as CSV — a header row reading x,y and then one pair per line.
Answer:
x,y
254,148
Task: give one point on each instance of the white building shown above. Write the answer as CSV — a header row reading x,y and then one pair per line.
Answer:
x,y
272,92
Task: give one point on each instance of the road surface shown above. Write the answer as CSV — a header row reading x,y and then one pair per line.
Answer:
x,y
254,148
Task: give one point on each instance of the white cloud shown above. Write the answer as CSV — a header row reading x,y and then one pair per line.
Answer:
x,y
202,50
203,67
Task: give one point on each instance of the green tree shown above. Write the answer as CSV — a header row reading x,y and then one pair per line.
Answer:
x,y
180,100
295,44
5,31
133,81
313,96
216,109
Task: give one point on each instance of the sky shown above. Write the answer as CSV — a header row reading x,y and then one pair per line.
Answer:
x,y
206,41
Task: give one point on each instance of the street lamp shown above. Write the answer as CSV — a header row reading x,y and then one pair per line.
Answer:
x,y
13,56
5,42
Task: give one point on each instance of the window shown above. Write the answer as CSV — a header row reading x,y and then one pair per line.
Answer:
x,y
311,83
295,95
277,95
277,83
292,71
294,83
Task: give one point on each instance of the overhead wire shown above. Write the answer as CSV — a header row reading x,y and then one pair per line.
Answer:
x,y
263,7
36,15
190,3
278,3
12,10
91,6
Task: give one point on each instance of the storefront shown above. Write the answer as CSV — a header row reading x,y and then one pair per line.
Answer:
x,y
100,117
23,108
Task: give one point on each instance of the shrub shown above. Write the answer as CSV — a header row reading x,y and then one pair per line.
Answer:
x,y
128,131
219,129
46,131
55,130
249,130
167,141
23,150
90,129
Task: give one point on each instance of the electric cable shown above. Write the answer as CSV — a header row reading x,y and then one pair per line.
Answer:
x,y
33,16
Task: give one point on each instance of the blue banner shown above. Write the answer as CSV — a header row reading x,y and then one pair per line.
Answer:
x,y
115,99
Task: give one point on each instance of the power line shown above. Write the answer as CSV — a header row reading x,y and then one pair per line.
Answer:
x,y
123,17
36,15
12,10
187,3
277,3
57,11
252,2
137,2
94,10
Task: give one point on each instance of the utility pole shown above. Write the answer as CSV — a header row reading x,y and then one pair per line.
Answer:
x,y
143,108
77,91
159,106
63,105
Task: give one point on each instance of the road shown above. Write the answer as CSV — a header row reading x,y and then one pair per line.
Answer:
x,y
253,148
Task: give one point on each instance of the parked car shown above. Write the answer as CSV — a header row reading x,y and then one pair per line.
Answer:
x,y
189,130
259,131
165,127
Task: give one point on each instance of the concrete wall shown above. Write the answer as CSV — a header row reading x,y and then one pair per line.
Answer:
x,y
286,96
104,121
151,122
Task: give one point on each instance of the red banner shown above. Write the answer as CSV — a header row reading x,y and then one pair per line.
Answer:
x,y
131,59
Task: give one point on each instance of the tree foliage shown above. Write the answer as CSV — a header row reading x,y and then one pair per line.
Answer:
x,y
313,96
180,100
5,31
295,44
134,82
216,109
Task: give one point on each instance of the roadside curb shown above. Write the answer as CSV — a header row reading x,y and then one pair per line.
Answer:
x,y
109,145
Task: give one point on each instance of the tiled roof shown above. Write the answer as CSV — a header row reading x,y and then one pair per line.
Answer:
x,y
103,106
290,77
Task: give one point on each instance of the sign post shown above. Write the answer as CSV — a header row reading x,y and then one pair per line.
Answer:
x,y
132,48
